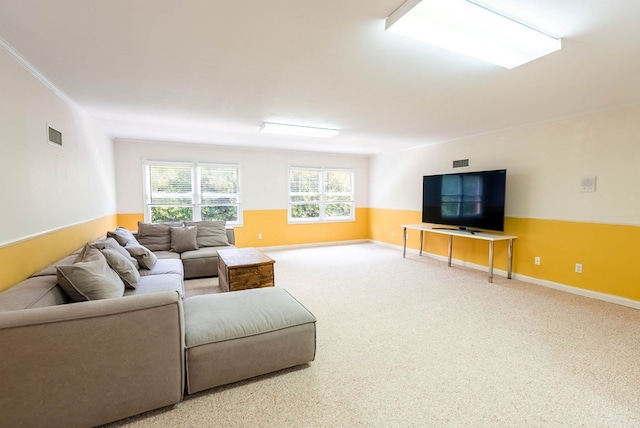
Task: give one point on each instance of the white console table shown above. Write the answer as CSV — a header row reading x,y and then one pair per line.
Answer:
x,y
463,234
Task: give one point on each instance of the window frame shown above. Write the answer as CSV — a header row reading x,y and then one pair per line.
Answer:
x,y
322,197
196,183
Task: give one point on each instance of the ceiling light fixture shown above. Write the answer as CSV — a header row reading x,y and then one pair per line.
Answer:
x,y
471,29
303,131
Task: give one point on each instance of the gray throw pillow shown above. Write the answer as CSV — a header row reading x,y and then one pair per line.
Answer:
x,y
210,233
146,259
155,236
183,239
112,244
90,278
123,267
122,236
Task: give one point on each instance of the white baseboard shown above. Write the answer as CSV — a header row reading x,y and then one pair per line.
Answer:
x,y
550,284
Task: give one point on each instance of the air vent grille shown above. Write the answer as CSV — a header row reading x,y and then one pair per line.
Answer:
x,y
55,137
460,163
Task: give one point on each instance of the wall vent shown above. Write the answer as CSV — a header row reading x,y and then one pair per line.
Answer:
x,y
55,136
460,163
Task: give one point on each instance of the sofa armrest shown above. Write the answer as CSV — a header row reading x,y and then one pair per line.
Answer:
x,y
86,364
231,235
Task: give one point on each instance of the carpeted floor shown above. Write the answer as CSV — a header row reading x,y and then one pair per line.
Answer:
x,y
413,343
195,287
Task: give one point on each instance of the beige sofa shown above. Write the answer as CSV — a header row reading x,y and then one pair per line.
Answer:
x,y
85,364
196,244
129,350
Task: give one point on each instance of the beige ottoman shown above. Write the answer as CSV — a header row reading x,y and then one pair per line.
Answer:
x,y
235,336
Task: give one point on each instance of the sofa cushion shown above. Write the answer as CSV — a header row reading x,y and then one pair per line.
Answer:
x,y
158,283
204,252
122,266
164,266
210,233
145,257
184,238
219,317
155,236
167,255
122,236
90,278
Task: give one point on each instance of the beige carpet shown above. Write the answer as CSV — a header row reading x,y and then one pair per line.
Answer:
x,y
411,342
195,287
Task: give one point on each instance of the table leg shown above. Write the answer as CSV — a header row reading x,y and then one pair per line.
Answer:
x,y
404,243
490,261
509,258
421,239
450,250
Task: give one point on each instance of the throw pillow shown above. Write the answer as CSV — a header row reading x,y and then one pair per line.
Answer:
x,y
155,236
123,267
183,239
112,244
210,233
90,278
143,255
122,236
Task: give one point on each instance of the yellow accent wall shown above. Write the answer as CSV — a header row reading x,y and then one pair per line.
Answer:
x,y
276,230
385,226
130,221
607,252
21,259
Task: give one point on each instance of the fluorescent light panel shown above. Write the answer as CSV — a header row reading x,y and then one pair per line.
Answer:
x,y
303,131
470,29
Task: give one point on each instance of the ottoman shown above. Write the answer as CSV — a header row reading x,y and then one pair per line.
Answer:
x,y
235,336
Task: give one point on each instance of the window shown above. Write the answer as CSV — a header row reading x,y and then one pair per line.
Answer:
x,y
320,194
191,192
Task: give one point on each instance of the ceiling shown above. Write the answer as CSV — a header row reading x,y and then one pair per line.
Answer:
x,y
209,71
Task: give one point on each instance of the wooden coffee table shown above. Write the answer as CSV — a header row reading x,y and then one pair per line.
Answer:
x,y
244,268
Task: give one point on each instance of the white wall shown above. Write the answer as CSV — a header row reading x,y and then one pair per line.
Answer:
x,y
544,166
263,172
45,187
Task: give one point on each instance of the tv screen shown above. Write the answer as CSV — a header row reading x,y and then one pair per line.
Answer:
x,y
465,200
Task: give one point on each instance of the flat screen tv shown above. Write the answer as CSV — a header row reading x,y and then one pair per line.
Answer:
x,y
467,201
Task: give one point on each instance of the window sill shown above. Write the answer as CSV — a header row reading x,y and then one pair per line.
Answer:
x,y
318,221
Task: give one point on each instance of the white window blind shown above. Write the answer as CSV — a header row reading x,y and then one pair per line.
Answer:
x,y
320,194
192,192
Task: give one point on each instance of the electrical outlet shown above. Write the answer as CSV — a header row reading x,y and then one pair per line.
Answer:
x,y
536,261
578,267
259,235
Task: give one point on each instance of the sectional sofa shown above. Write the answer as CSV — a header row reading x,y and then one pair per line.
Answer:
x,y
106,332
